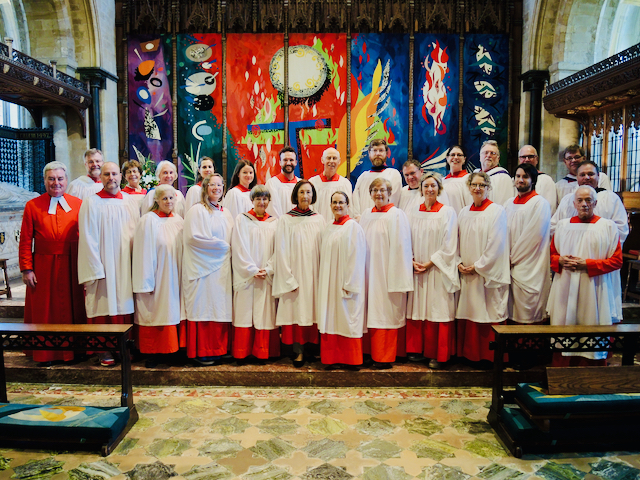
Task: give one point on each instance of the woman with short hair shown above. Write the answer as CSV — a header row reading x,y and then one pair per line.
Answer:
x,y
166,173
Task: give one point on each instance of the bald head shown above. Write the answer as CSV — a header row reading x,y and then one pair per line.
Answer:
x,y
330,160
111,177
528,154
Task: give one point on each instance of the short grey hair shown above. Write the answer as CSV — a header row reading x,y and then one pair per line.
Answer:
x,y
260,191
161,165
592,192
55,166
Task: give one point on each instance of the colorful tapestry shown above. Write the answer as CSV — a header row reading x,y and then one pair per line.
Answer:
x,y
255,117
150,108
485,94
379,97
435,92
199,107
317,96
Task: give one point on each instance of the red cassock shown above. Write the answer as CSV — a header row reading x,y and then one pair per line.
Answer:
x,y
57,297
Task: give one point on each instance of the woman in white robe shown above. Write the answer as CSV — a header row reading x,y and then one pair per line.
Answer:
x,y
254,314
166,173
297,259
238,198
156,277
132,173
455,183
431,307
389,275
194,194
207,278
485,271
341,288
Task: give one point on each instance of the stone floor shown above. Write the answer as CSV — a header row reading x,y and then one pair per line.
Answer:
x,y
208,433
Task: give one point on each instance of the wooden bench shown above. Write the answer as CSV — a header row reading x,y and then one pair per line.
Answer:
x,y
78,338
596,408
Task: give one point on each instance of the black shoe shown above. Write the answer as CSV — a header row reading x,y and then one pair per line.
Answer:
x,y
382,365
298,363
45,364
310,359
401,360
415,357
151,362
242,361
367,361
351,368
334,366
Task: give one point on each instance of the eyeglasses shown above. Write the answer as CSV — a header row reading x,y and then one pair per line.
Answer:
x,y
528,157
338,203
379,190
575,157
478,185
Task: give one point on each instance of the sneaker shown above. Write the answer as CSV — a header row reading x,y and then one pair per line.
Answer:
x,y
106,359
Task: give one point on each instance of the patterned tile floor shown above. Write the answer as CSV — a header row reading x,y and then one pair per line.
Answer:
x,y
281,434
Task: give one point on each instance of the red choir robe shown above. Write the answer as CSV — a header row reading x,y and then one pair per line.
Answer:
x,y
49,247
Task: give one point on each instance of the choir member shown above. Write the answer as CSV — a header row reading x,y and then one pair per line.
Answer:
x,y
585,254
132,173
254,314
389,274
341,288
573,156
206,274
283,184
528,221
328,182
157,267
545,185
431,307
484,268
378,153
205,170
48,257
501,183
411,195
90,183
238,198
166,173
297,258
107,222
455,183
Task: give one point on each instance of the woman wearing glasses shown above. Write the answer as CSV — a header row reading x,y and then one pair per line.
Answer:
x,y
455,183
484,270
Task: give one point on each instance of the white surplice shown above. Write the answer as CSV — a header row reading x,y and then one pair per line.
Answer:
x,y
546,187
106,228
484,244
194,195
389,272
206,266
341,284
157,270
361,196
237,201
280,202
83,186
411,199
458,192
297,260
147,203
502,188
569,183
529,250
576,298
434,237
324,190
252,244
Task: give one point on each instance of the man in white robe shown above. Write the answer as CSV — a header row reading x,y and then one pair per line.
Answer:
x,y
609,206
378,152
585,254
107,222
501,183
281,186
329,182
90,183
573,156
410,198
545,186
528,218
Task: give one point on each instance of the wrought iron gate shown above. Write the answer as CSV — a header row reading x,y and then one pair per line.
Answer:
x,y
23,155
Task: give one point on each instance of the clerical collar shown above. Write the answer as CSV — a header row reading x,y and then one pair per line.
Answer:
x,y
104,194
94,180
570,178
379,169
163,215
242,188
598,189
58,200
384,209
335,178
342,220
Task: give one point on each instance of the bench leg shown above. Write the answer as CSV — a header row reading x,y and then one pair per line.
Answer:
x,y
3,378
125,372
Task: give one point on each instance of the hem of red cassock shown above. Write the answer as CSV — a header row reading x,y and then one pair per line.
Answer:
x,y
262,344
207,339
291,334
385,344
339,349
474,338
156,339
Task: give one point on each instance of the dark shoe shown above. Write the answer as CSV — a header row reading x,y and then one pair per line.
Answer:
x,y
242,361
382,365
401,360
351,368
415,357
151,362
434,364
45,364
205,361
334,366
367,361
310,359
298,363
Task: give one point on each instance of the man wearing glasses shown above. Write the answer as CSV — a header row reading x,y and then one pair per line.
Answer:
x,y
545,185
501,183
573,156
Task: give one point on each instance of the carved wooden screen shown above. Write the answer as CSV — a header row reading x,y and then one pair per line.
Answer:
x,y
23,155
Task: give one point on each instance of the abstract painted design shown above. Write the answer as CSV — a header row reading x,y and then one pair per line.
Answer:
x,y
200,122
317,96
379,96
485,94
150,108
435,92
255,117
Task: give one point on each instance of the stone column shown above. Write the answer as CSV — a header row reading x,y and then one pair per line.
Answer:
x,y
97,78
534,82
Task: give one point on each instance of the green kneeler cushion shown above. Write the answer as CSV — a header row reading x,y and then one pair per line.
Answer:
x,y
76,424
536,399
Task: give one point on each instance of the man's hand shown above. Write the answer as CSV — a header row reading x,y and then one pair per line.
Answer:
x,y
29,278
573,264
262,274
